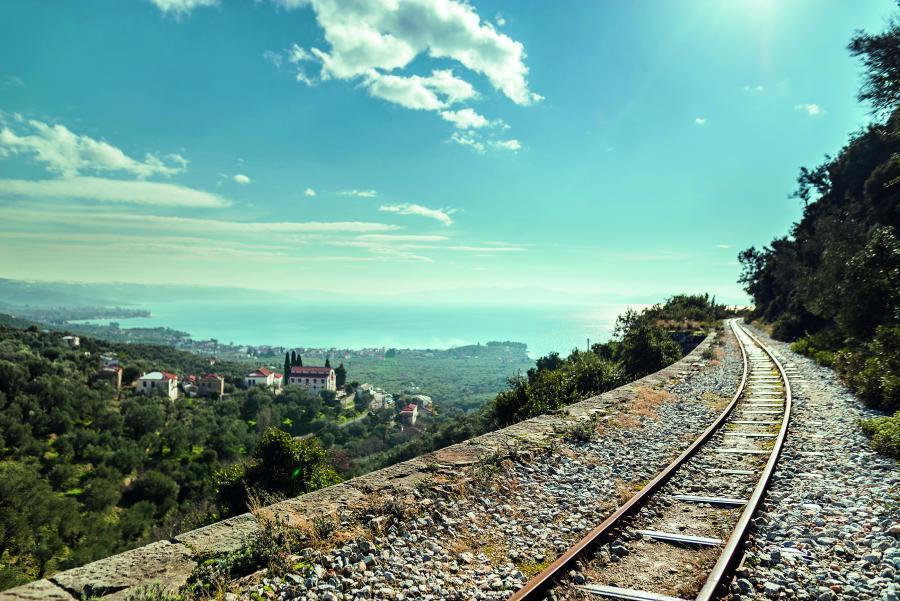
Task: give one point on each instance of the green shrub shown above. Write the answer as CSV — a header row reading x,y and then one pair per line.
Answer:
x,y
873,371
281,465
885,433
801,346
825,358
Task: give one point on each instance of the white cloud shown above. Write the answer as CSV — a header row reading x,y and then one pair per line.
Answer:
x,y
437,91
723,246
68,154
465,119
15,81
414,209
359,193
487,249
757,88
402,238
812,110
192,224
469,140
309,192
111,190
273,57
371,40
700,121
297,56
499,20
242,179
508,144
181,7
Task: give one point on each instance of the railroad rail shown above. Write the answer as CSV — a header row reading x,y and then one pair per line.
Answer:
x,y
680,536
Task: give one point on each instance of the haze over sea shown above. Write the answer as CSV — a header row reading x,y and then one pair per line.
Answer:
x,y
353,325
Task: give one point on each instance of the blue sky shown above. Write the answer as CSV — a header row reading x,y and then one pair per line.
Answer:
x,y
573,149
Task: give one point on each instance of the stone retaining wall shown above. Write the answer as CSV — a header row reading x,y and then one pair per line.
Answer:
x,y
171,562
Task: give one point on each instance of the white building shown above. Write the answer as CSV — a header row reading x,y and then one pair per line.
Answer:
x,y
263,377
314,379
159,382
72,341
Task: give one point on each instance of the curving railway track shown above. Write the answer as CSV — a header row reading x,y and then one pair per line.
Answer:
x,y
680,537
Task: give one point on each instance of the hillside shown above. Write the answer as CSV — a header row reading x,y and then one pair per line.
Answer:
x,y
111,470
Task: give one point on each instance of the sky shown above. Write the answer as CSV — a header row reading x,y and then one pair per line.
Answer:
x,y
527,150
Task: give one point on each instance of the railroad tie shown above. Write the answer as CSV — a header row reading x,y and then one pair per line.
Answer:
x,y
723,470
684,539
742,451
751,434
615,592
711,500
754,422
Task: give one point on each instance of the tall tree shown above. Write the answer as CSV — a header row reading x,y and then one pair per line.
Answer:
x,y
327,362
881,86
299,361
287,365
293,358
340,375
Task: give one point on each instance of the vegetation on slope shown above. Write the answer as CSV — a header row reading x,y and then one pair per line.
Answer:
x,y
643,343
831,285
86,472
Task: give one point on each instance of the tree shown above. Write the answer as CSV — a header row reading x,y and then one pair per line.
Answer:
x,y
155,487
327,362
340,376
644,346
280,465
293,359
881,87
287,366
299,361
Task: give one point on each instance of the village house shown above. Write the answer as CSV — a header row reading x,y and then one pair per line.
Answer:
x,y
72,341
263,377
113,373
188,384
211,385
409,414
422,400
314,379
159,382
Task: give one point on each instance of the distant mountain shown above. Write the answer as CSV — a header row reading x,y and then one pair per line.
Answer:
x,y
17,293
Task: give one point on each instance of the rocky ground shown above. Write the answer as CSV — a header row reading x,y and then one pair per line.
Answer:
x,y
830,525
480,533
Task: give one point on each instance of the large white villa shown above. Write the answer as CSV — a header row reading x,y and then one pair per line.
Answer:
x,y
315,379
159,382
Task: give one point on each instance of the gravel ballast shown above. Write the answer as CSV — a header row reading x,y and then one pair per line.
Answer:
x,y
830,525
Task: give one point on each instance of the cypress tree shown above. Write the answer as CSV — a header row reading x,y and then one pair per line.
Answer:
x,y
299,361
327,362
294,359
287,366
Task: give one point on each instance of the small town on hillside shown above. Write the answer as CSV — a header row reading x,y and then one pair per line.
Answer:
x,y
317,380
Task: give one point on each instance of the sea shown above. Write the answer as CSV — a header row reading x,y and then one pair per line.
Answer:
x,y
544,329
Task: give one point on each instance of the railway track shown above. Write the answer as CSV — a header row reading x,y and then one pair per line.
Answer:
x,y
679,538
